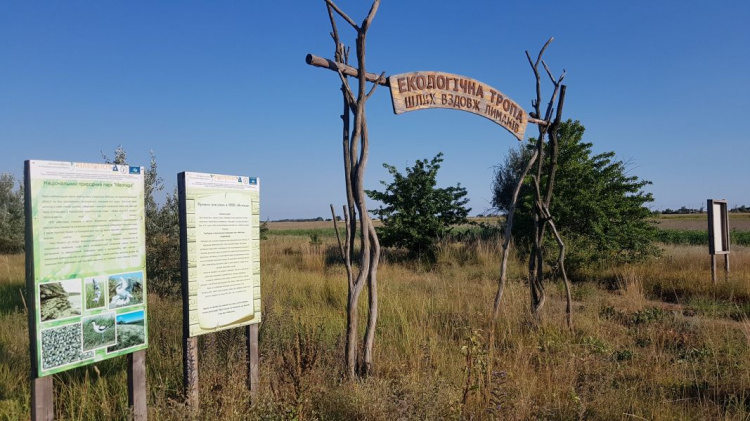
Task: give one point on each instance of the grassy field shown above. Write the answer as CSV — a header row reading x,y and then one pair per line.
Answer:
x,y
651,341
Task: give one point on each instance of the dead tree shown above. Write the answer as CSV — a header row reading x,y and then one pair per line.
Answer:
x,y
541,213
356,148
542,195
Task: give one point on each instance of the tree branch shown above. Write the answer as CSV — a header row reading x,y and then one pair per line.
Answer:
x,y
342,14
375,85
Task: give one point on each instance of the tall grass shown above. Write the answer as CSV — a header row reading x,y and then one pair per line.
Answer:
x,y
664,344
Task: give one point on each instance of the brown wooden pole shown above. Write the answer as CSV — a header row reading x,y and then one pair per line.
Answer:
x,y
190,371
253,377
345,69
713,268
42,391
726,264
137,385
42,399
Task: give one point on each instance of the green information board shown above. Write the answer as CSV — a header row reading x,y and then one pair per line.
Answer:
x,y
220,244
86,263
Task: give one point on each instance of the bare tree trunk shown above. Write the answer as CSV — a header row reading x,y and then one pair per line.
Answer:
x,y
373,302
356,151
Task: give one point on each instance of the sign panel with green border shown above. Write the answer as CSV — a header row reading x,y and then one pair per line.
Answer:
x,y
86,263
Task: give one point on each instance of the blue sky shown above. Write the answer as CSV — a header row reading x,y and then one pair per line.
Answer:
x,y
130,317
222,87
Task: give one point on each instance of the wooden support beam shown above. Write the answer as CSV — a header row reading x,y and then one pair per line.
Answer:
x,y
538,122
253,378
42,398
347,70
190,372
713,269
137,385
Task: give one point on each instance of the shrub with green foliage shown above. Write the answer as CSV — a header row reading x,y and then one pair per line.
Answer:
x,y
597,206
11,215
415,213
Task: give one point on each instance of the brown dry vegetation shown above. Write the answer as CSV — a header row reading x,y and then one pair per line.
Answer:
x,y
737,221
664,344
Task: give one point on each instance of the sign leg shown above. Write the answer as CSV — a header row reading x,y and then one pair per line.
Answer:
x,y
713,268
42,399
252,359
726,264
137,385
190,370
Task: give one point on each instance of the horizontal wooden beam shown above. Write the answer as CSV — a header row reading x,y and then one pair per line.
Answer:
x,y
347,70
538,121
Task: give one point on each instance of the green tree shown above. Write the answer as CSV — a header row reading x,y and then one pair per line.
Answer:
x,y
415,213
599,208
11,215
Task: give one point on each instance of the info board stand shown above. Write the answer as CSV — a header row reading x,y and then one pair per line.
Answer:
x,y
718,234
85,274
42,402
220,267
137,385
42,392
252,359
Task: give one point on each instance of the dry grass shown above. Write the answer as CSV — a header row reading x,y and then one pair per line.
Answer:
x,y
737,221
665,344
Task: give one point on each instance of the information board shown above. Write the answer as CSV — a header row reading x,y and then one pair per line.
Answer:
x,y
718,227
86,263
220,244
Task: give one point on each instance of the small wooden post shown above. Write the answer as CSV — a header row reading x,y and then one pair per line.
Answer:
x,y
42,391
726,265
252,359
137,385
713,268
190,370
42,399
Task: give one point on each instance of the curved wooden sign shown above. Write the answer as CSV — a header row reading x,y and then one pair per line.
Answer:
x,y
422,90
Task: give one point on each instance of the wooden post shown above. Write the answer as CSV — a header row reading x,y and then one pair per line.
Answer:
x,y
252,359
190,370
726,265
713,268
42,391
42,399
137,385
189,344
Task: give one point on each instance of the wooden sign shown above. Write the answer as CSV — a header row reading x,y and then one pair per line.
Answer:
x,y
423,90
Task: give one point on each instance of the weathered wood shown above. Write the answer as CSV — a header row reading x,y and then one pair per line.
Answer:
x,y
425,90
137,395
356,151
253,376
325,63
713,269
726,264
190,371
42,399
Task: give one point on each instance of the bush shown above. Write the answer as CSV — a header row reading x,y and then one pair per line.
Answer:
x,y
416,214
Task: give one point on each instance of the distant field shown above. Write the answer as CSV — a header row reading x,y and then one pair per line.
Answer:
x,y
697,222
740,222
328,225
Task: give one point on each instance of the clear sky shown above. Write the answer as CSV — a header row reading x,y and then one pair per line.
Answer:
x,y
222,87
